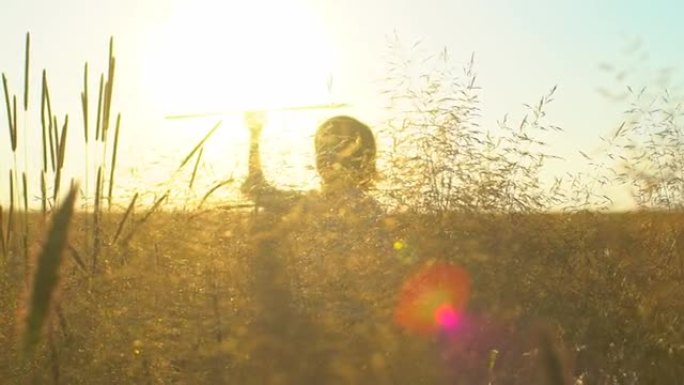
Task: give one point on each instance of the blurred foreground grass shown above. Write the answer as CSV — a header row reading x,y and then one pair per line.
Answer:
x,y
177,304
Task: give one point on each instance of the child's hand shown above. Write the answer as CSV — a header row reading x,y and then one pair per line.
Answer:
x,y
255,121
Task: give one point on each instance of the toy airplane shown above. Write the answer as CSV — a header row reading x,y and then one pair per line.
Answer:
x,y
329,106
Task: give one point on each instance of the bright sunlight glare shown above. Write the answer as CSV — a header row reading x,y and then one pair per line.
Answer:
x,y
233,56
228,57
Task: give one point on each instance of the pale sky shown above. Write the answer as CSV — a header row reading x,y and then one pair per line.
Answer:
x,y
189,56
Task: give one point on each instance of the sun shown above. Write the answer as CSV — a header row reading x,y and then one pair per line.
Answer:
x,y
233,56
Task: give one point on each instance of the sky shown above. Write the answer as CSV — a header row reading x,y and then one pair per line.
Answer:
x,y
188,56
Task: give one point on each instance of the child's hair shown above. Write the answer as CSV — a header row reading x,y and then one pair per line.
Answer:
x,y
344,144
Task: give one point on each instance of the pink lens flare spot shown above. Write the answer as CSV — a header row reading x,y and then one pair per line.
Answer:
x,y
433,298
446,316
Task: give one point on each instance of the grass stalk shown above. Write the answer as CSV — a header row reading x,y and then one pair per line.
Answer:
x,y
200,144
43,126
8,106
53,142
126,215
194,169
62,142
112,166
45,278
26,71
60,146
14,123
51,122
84,102
109,87
98,118
144,219
97,242
213,189
76,256
24,182
43,193
84,106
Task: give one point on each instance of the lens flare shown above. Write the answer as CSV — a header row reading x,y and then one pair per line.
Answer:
x,y
433,298
446,316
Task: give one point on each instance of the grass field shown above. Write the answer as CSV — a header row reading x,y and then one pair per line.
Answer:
x,y
177,304
156,295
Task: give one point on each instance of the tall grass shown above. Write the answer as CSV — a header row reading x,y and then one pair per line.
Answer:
x,y
180,308
45,278
55,154
440,157
18,224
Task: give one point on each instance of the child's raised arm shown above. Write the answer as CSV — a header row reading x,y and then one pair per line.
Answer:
x,y
256,187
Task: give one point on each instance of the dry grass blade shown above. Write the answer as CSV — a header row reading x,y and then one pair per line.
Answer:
x,y
200,144
113,165
77,257
154,208
144,219
127,214
194,169
46,276
213,189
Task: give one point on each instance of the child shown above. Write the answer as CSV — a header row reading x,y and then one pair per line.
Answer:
x,y
332,253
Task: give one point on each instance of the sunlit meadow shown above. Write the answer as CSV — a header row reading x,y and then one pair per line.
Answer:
x,y
479,271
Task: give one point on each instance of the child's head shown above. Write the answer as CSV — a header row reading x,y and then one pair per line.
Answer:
x,y
345,152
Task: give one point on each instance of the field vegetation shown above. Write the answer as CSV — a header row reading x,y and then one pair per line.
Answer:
x,y
155,294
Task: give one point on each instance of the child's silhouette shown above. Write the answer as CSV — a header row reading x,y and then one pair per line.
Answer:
x,y
345,160
332,250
